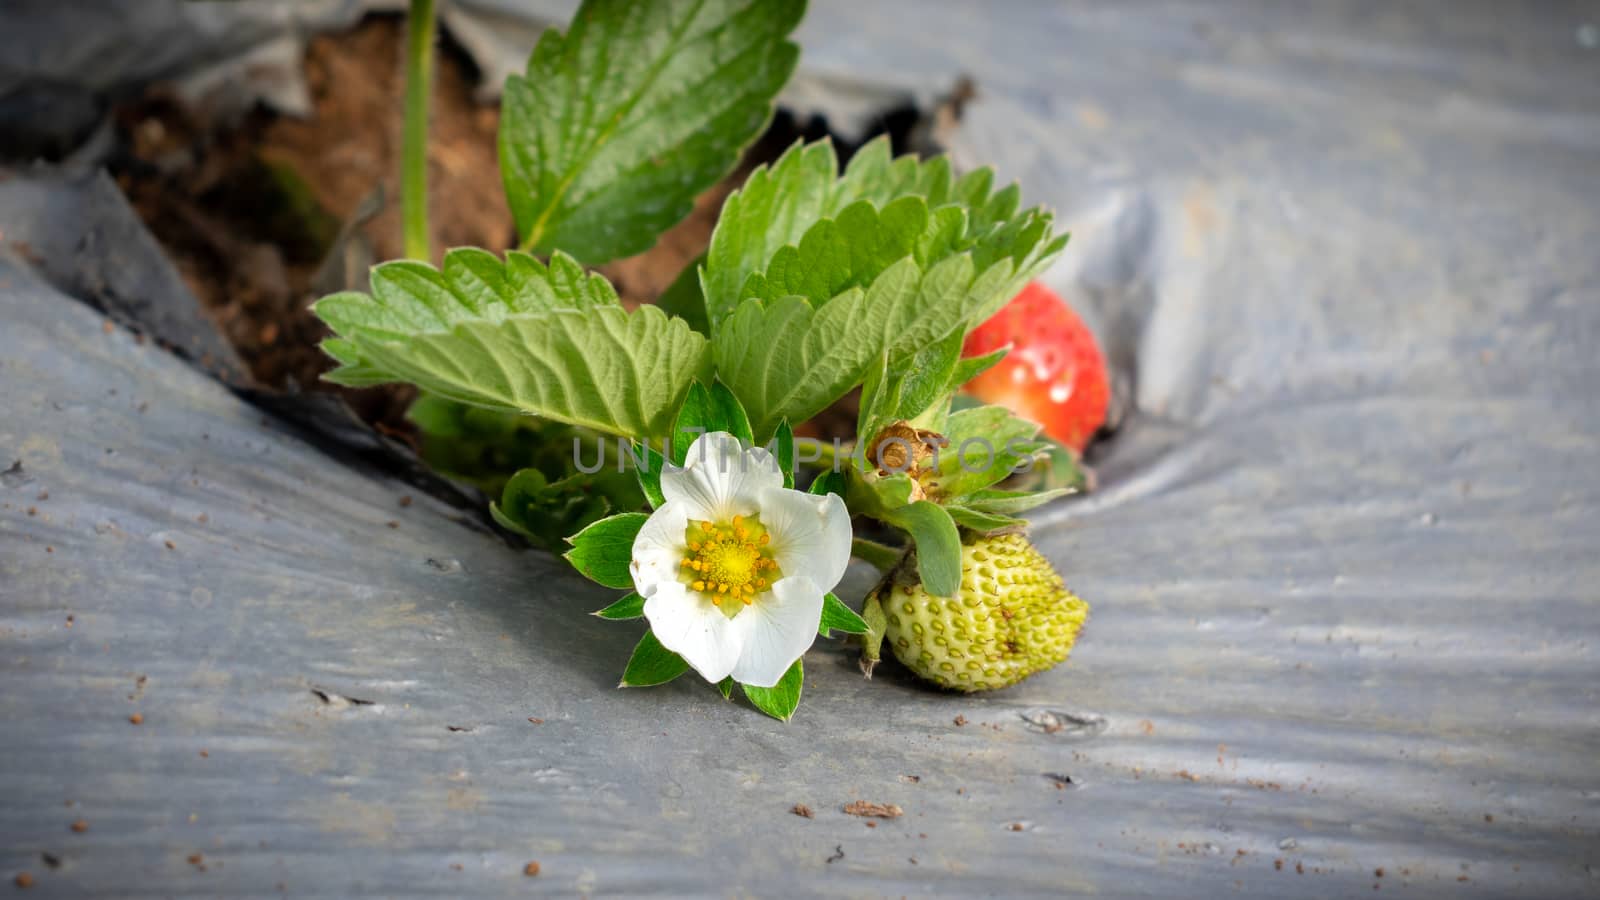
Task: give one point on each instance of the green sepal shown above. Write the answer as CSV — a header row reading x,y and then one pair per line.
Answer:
x,y
704,411
780,700
603,550
1054,468
725,687
652,664
727,415
1001,444
648,465
1006,503
877,624
829,482
783,445
629,607
973,366
938,544
836,616
981,522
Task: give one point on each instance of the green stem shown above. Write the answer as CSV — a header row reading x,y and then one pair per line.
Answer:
x,y
414,151
883,556
826,458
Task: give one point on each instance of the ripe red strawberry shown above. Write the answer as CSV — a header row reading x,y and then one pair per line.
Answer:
x,y
1054,374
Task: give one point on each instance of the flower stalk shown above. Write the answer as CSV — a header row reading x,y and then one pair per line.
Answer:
x,y
420,42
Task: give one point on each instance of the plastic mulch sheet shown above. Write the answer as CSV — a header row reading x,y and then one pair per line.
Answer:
x,y
1342,561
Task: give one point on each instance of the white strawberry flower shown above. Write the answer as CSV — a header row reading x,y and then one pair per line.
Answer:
x,y
733,566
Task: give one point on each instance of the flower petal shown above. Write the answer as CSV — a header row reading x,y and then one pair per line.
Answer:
x,y
720,479
690,626
659,548
810,534
778,629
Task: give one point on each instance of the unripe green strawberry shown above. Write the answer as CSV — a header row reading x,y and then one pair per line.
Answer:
x,y
1012,617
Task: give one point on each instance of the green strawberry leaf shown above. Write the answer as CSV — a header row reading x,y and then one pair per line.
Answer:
x,y
835,255
772,210
798,227
780,700
620,123
549,341
837,616
603,550
788,359
652,664
629,607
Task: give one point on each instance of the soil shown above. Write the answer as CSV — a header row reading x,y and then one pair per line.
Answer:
x,y
252,214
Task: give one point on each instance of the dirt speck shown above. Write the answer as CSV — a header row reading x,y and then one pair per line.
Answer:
x,y
536,720
911,779
170,545
137,718
1016,826
531,869
80,826
406,500
960,721
877,810
838,854
1378,872
107,326
23,880
803,811
198,860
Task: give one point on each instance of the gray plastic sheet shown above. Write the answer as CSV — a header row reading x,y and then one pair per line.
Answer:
x,y
1342,560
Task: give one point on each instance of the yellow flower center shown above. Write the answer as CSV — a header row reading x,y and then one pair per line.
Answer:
x,y
729,560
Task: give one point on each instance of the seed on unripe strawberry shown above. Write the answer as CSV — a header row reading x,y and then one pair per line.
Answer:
x,y
1011,618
